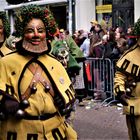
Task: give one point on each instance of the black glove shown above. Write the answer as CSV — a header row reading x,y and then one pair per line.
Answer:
x,y
123,99
9,104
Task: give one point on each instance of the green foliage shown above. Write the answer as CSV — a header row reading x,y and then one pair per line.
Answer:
x,y
27,13
6,23
137,28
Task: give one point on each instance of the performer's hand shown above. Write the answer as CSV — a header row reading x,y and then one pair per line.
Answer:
x,y
9,104
123,99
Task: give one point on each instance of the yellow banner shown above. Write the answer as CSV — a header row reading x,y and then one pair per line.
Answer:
x,y
104,8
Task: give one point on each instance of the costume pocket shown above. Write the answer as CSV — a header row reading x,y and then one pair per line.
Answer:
x,y
132,103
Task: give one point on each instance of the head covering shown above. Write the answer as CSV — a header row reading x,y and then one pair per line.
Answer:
x,y
61,30
136,30
72,65
23,16
58,46
6,23
27,13
94,22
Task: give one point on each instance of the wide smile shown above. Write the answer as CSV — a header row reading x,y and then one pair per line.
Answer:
x,y
35,41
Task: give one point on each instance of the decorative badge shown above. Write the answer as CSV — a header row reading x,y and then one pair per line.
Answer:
x,y
61,80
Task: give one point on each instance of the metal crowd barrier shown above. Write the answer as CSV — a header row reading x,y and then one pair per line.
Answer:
x,y
100,75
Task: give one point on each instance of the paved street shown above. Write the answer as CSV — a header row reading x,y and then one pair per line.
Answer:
x,y
96,122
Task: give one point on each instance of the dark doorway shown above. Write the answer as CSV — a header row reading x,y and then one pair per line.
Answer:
x,y
123,13
60,14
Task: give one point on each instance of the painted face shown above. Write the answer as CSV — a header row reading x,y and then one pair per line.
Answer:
x,y
35,32
63,56
35,36
62,36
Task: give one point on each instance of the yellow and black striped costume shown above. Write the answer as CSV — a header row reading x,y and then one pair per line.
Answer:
x,y
15,79
128,69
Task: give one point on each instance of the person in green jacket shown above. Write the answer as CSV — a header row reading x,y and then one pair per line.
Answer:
x,y
67,52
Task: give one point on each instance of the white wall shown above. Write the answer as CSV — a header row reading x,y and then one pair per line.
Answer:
x,y
85,12
136,9
3,4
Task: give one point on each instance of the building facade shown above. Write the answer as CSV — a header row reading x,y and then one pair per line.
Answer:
x,y
77,14
70,14
3,4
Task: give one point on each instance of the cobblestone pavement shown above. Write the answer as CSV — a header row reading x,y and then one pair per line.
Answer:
x,y
96,122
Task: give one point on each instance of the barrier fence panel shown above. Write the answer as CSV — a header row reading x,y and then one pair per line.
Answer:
x,y
100,75
113,74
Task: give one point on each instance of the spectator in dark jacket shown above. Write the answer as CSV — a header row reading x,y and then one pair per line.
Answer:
x,y
131,39
99,31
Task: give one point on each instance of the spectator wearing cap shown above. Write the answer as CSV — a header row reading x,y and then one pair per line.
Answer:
x,y
99,31
93,24
131,39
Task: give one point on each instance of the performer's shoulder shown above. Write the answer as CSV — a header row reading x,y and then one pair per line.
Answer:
x,y
133,51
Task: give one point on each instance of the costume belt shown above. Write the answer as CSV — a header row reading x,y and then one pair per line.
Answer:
x,y
40,117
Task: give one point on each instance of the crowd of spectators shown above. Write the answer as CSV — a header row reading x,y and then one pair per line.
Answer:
x,y
111,43
101,43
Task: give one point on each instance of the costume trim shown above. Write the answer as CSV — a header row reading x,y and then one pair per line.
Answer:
x,y
67,95
125,64
129,50
134,69
9,90
43,117
56,134
68,98
11,136
32,136
117,90
21,76
1,54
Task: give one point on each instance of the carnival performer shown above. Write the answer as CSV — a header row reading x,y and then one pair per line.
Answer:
x,y
65,48
63,53
35,90
4,34
127,85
